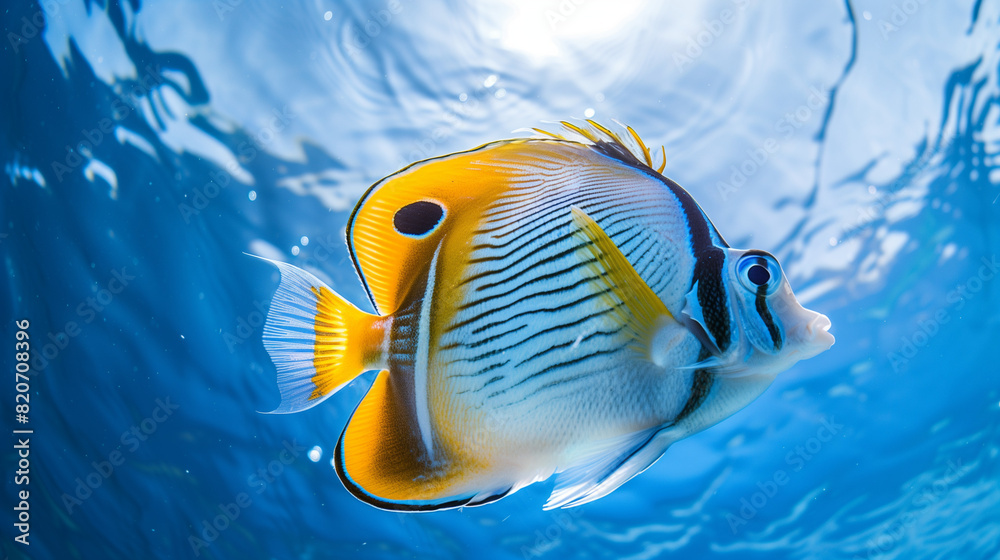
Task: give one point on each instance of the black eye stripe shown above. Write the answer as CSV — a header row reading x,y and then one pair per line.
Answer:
x,y
418,217
765,315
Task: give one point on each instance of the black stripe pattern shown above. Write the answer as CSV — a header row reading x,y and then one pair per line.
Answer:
x,y
534,322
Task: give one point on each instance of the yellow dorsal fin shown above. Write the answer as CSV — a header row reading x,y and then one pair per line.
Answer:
x,y
589,135
548,133
607,133
599,136
645,150
635,304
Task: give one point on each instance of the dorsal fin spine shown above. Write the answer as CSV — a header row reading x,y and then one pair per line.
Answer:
x,y
602,139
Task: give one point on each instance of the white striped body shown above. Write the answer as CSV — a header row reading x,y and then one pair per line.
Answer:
x,y
530,357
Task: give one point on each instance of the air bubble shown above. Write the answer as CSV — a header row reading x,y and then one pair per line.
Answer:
x,y
315,454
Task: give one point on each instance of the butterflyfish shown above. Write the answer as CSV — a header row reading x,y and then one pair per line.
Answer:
x,y
543,306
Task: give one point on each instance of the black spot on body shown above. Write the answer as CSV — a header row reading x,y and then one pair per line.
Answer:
x,y
417,218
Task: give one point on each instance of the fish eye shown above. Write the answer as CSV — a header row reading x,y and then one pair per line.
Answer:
x,y
758,274
418,218
758,270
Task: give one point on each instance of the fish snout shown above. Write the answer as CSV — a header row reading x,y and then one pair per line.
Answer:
x,y
818,332
814,334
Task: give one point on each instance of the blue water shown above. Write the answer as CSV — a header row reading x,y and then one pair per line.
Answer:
x,y
147,146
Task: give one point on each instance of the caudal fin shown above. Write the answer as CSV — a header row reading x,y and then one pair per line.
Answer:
x,y
319,342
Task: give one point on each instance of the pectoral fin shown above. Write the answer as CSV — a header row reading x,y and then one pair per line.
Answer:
x,y
694,316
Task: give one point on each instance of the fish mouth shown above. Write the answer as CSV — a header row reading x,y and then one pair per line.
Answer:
x,y
813,336
817,333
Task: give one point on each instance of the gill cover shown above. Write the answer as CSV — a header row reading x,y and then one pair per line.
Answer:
x,y
712,322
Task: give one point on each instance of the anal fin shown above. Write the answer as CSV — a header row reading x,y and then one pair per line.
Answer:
x,y
381,458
